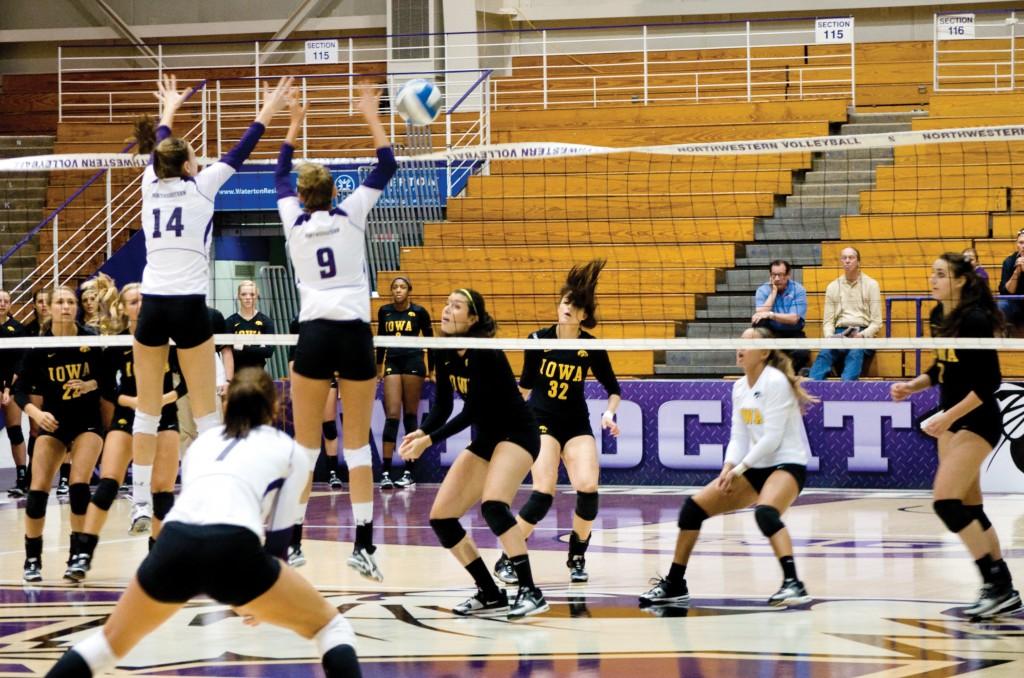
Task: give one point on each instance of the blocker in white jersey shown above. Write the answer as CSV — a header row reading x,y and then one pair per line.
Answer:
x,y
235,478
765,464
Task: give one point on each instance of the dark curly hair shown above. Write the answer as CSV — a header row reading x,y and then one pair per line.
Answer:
x,y
580,289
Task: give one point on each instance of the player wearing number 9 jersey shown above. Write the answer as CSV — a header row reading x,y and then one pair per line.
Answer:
x,y
177,218
235,479
328,251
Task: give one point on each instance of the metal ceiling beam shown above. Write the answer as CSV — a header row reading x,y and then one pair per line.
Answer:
x,y
125,31
298,16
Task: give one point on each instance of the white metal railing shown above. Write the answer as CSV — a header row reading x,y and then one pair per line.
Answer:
x,y
975,51
726,61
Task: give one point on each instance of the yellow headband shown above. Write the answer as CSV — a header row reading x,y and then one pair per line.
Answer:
x,y
472,305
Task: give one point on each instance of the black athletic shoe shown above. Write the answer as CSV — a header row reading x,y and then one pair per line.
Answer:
x,y
295,556
16,492
663,592
996,600
504,570
479,605
78,567
334,481
386,483
792,592
63,488
33,569
577,569
405,481
529,600
973,608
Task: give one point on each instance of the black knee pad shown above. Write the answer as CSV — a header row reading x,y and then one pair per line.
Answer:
x,y
390,431
15,435
78,498
691,515
768,520
410,423
449,531
535,508
953,513
35,503
330,429
586,505
977,512
341,660
105,494
163,502
498,516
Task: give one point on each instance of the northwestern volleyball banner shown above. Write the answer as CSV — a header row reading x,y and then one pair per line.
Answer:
x,y
675,433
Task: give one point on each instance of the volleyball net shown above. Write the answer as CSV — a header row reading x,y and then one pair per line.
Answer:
x,y
688,230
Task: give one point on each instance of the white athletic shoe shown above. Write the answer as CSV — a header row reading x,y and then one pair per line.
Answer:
x,y
363,562
142,518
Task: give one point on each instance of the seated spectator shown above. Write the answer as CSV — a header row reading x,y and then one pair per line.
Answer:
x,y
780,305
853,308
1009,283
971,257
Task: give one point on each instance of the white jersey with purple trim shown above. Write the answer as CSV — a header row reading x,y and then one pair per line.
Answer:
x,y
247,482
177,219
328,252
767,426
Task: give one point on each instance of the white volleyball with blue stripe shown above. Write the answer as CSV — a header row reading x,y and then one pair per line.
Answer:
x,y
418,102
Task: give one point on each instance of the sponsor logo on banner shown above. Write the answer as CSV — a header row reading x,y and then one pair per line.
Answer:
x,y
345,183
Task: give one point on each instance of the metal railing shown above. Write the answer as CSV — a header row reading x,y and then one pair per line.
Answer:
x,y
975,51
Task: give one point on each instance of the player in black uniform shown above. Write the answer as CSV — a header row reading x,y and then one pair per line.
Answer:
x,y
59,390
553,381
968,423
9,365
119,389
505,445
40,312
403,371
250,321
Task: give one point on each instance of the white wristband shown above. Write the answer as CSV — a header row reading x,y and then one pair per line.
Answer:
x,y
609,414
739,469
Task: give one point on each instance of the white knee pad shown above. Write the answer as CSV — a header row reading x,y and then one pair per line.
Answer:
x,y
336,632
146,424
312,454
207,421
98,654
361,456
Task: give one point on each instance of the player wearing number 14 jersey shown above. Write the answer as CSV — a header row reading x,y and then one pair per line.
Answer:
x,y
327,247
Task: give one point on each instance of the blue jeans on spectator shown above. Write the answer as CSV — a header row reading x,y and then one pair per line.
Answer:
x,y
1013,310
851,368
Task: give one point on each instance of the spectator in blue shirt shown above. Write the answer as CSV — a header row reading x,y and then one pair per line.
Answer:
x,y
780,305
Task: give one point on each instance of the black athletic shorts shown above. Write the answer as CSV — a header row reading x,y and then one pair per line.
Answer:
x,y
411,363
984,421
225,562
124,419
526,438
757,477
70,426
563,429
335,348
182,318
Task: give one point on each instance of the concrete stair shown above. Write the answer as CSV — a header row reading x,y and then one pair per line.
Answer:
x,y
821,195
22,200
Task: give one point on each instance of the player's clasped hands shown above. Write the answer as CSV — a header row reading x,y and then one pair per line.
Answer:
x,y
414,445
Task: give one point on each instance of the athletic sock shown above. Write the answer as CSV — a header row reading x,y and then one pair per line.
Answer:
x,y
788,567
65,472
676,574
484,581
524,573
87,543
297,535
577,546
364,536
985,566
34,547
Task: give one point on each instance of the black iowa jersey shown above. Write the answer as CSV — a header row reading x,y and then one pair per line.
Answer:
x,y
251,356
555,377
119,373
412,322
487,385
47,372
10,359
959,372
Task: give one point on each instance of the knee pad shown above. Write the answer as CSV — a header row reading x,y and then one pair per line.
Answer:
x,y
358,457
586,505
163,502
768,520
390,434
691,515
536,507
410,423
15,435
35,503
953,513
106,493
498,516
977,512
146,424
449,531
341,660
78,498
330,429
334,633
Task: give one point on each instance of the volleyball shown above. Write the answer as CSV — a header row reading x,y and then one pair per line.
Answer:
x,y
418,101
